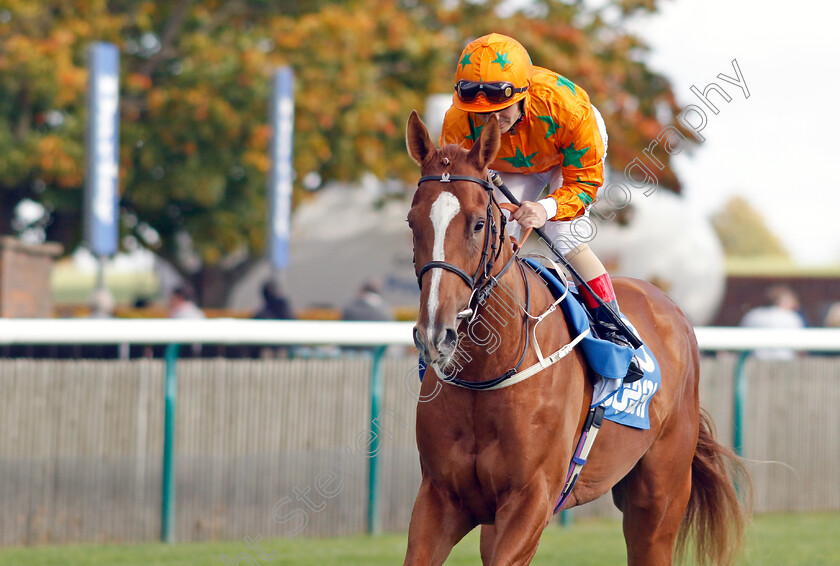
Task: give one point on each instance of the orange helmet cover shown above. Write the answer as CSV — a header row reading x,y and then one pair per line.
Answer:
x,y
492,58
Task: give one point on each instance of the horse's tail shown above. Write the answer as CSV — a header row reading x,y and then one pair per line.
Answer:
x,y
716,516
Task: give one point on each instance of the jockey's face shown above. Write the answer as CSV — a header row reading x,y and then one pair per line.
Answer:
x,y
507,117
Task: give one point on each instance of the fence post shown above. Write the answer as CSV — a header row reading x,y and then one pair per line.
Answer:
x,y
740,396
373,525
566,518
167,492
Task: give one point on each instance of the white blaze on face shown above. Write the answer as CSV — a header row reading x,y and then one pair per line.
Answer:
x,y
443,211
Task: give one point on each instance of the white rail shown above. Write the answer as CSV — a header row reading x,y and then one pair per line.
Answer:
x,y
803,339
304,332
209,331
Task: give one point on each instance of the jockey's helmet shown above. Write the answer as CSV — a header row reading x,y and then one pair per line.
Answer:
x,y
494,71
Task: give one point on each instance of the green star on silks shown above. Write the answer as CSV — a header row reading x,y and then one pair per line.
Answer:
x,y
520,159
465,60
586,182
585,198
501,59
476,130
552,125
571,156
563,81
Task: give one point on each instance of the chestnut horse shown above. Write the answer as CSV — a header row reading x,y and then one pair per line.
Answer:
x,y
499,458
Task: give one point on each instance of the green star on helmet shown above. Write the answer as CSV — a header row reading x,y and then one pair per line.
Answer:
x,y
571,156
520,159
465,60
501,59
552,125
563,81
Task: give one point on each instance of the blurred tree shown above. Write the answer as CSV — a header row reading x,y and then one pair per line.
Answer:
x,y
743,232
195,82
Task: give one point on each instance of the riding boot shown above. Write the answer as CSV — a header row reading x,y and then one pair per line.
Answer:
x,y
603,327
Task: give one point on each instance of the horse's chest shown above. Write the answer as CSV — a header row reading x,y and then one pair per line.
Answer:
x,y
467,458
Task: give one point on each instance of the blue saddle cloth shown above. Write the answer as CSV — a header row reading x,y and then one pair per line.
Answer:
x,y
625,404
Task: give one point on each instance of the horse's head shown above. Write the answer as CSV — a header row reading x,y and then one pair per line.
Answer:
x,y
456,231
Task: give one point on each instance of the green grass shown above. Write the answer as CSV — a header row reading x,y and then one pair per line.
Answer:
x,y
773,540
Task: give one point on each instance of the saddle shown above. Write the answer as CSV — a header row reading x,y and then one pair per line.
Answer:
x,y
624,403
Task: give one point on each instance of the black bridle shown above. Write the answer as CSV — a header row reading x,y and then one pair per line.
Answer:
x,y
483,281
490,252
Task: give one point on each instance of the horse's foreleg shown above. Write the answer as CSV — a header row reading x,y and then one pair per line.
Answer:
x,y
436,526
520,521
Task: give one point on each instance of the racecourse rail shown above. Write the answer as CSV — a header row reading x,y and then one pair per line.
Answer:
x,y
376,335
340,333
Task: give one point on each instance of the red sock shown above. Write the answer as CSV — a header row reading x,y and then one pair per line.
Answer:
x,y
602,287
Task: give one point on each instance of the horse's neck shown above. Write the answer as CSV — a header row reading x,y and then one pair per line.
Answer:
x,y
498,335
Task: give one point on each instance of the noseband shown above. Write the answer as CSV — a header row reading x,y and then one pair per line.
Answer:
x,y
490,252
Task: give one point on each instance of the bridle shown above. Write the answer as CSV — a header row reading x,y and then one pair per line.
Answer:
x,y
482,281
482,284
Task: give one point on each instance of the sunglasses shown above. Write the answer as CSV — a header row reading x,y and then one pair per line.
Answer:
x,y
494,92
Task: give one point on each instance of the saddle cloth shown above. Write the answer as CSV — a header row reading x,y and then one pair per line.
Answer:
x,y
625,404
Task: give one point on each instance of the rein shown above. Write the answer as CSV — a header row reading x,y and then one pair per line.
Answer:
x,y
482,284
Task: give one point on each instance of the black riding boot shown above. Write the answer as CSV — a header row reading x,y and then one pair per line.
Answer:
x,y
605,329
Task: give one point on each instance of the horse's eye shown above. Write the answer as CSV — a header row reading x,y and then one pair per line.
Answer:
x,y
479,226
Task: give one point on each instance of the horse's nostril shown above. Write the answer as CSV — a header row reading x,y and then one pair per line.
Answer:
x,y
447,341
418,341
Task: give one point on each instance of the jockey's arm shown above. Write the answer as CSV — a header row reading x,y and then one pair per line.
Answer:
x,y
581,173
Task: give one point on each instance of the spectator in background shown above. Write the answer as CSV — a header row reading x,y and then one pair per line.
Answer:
x,y
141,303
181,304
780,310
368,304
832,317
276,305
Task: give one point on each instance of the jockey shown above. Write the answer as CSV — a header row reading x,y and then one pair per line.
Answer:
x,y
551,135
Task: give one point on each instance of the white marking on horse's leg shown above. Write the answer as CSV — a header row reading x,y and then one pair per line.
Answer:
x,y
444,209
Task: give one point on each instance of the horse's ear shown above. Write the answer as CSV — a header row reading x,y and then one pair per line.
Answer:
x,y
417,139
484,150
